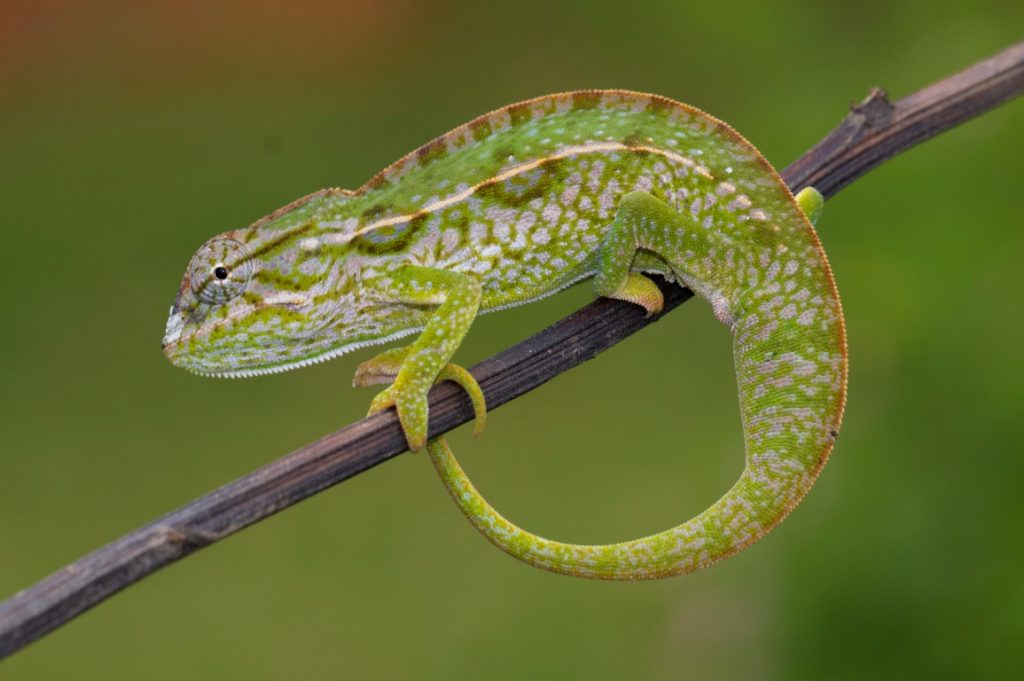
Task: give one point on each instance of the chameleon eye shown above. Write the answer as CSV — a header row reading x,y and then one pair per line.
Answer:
x,y
220,270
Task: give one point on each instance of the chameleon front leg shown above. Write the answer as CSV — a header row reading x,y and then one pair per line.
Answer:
x,y
417,367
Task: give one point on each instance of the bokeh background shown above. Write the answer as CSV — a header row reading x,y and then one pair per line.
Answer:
x,y
132,131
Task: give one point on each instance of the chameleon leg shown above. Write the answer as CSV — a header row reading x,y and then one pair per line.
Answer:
x,y
790,353
614,278
421,363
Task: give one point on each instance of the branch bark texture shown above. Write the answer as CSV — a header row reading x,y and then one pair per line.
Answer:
x,y
873,131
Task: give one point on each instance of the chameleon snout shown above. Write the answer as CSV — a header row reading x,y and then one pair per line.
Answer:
x,y
181,312
172,332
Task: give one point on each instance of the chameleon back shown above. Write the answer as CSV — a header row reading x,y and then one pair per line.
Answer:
x,y
522,197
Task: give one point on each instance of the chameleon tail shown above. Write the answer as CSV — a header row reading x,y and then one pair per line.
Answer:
x,y
717,533
771,485
742,516
792,385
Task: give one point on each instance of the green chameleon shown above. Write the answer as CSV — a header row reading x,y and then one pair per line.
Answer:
x,y
515,206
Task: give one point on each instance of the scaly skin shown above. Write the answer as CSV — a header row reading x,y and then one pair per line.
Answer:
x,y
515,206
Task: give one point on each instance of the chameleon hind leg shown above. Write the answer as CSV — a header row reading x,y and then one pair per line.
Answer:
x,y
614,277
646,222
416,367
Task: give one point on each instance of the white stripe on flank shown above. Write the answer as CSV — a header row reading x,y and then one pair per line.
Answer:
x,y
596,147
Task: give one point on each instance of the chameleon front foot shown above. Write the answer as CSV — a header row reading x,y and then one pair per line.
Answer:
x,y
412,413
409,397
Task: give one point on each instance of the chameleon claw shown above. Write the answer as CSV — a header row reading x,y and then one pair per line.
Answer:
x,y
412,408
382,401
642,291
412,413
457,374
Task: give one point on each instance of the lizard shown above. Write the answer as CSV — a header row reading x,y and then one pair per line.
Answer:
x,y
519,204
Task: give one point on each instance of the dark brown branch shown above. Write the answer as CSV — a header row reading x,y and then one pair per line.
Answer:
x,y
874,131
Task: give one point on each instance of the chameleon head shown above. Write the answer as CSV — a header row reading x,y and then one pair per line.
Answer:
x,y
229,321
278,295
210,304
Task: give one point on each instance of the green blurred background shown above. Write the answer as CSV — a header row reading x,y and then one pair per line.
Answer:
x,y
130,132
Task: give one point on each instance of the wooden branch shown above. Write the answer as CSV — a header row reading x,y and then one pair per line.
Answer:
x,y
874,131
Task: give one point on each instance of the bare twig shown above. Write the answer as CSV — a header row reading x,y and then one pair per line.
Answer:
x,y
874,131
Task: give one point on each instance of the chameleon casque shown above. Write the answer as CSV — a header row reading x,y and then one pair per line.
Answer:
x,y
515,206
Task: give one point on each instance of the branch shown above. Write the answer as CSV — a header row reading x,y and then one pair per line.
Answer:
x,y
873,131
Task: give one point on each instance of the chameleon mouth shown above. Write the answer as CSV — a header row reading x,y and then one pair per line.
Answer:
x,y
175,325
173,344
298,363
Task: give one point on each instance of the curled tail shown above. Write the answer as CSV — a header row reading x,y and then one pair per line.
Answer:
x,y
791,406
684,548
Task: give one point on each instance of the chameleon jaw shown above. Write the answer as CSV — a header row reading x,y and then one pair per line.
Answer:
x,y
297,364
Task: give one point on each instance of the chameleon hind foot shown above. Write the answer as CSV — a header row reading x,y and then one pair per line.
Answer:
x,y
640,290
410,398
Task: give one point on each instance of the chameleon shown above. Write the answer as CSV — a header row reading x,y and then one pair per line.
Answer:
x,y
516,205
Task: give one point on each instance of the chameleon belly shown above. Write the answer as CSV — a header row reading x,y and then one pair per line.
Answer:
x,y
517,205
